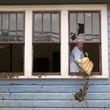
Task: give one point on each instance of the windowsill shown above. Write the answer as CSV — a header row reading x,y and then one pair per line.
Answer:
x,y
79,74
45,73
55,77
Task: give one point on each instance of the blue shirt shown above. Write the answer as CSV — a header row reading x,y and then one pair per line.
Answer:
x,y
76,55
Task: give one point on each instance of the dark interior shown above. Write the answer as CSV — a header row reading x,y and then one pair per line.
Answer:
x,y
11,58
46,58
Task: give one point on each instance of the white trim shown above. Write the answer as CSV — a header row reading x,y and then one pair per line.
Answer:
x,y
58,77
104,40
64,35
28,44
64,43
52,7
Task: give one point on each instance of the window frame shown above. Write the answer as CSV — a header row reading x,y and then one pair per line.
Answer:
x,y
47,12
10,43
87,41
14,12
40,74
104,41
64,9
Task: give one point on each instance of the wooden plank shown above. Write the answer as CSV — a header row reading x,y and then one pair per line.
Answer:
x,y
54,108
54,104
52,88
52,82
51,96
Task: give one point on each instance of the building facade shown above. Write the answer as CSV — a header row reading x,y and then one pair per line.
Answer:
x,y
35,47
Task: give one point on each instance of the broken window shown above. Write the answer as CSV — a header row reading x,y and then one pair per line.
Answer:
x,y
87,25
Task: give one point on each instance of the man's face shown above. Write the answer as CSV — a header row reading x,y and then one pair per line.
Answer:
x,y
80,45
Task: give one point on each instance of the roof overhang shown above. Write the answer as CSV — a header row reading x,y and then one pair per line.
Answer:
x,y
45,2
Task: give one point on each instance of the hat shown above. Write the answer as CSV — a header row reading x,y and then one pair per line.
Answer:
x,y
79,39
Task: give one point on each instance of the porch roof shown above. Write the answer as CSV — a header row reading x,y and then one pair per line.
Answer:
x,y
45,2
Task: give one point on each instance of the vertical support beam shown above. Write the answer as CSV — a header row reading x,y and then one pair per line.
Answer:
x,y
104,42
28,44
64,43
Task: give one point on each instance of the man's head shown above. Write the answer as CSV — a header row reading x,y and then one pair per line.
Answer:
x,y
80,42
80,45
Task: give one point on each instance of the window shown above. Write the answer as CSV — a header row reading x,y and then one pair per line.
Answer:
x,y
11,43
46,43
86,24
35,41
91,23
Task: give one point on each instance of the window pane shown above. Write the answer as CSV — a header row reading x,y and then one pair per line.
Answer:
x,y
20,35
94,55
46,58
55,27
88,26
73,23
38,22
80,23
12,26
88,23
55,23
5,27
0,25
96,25
46,23
12,36
93,50
80,18
5,21
11,58
17,58
20,21
12,22
85,23
46,26
54,37
0,22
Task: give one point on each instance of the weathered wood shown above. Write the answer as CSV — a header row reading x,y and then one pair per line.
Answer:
x,y
52,88
54,103
54,108
52,82
51,96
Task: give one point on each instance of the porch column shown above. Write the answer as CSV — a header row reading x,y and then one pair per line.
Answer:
x,y
64,43
28,44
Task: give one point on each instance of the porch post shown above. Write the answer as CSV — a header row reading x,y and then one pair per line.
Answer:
x,y
64,43
28,44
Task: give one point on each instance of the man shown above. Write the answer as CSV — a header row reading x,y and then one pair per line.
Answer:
x,y
76,55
